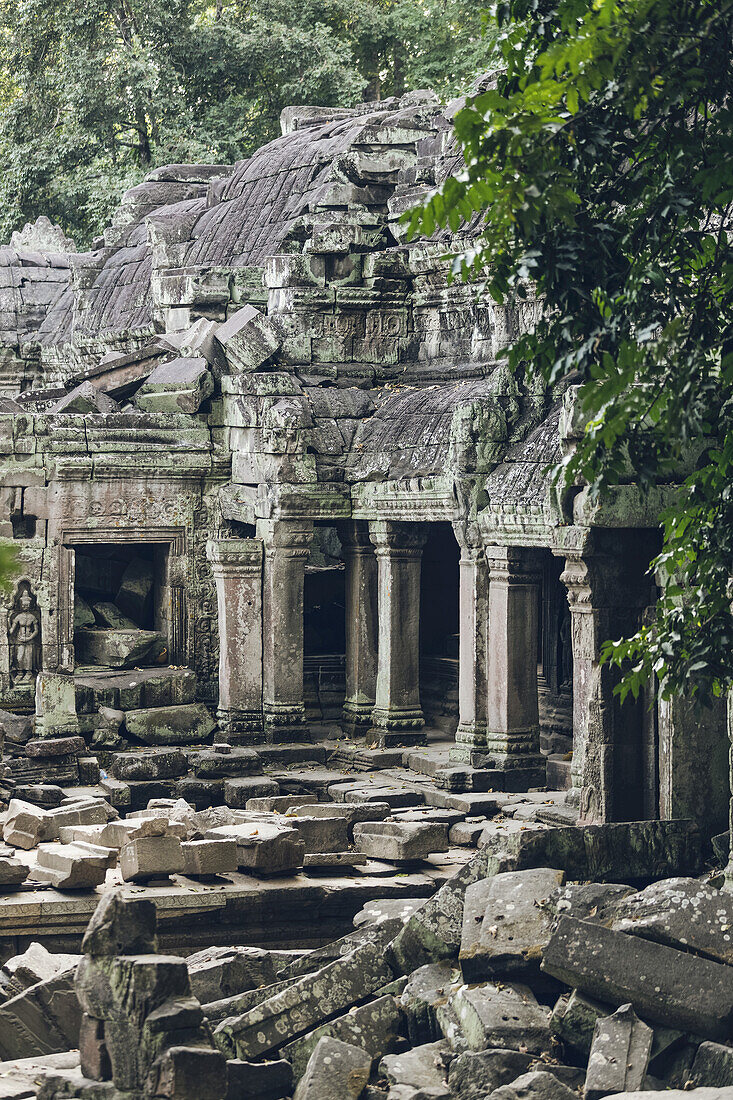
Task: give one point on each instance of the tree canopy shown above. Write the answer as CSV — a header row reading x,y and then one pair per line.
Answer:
x,y
599,166
94,95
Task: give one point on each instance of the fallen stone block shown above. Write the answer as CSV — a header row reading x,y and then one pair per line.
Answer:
x,y
589,900
248,339
85,398
35,965
44,1019
46,795
383,909
94,1060
121,925
109,615
423,1069
219,972
182,1072
374,1027
209,857
475,1074
336,1071
676,1094
12,872
426,990
307,1002
116,834
574,1019
681,913
73,866
149,764
333,861
619,1054
187,724
23,827
55,746
258,1080
264,847
537,1085
151,857
713,1066
135,594
322,834
87,812
119,648
180,385
280,803
311,961
400,841
433,932
663,985
223,762
238,792
504,1016
516,925
395,797
353,812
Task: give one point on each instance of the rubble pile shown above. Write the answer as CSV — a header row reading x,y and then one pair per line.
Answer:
x,y
516,980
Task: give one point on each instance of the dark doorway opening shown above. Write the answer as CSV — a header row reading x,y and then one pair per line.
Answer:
x,y
439,626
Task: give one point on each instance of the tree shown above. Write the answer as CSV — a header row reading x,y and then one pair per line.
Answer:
x,y
600,167
94,95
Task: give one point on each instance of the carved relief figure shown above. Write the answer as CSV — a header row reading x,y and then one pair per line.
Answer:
x,y
24,630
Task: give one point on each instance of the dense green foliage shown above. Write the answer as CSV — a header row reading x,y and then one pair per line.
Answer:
x,y
93,95
601,166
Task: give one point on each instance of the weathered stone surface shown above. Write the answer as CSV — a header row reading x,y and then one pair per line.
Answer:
x,y
516,925
34,965
427,988
121,925
136,588
264,847
663,985
474,1074
151,857
335,1071
180,385
375,1027
218,972
713,1066
258,1080
119,648
93,1054
85,398
433,932
574,1019
182,1072
589,900
109,615
248,339
24,824
504,1016
537,1085
238,792
280,803
305,1003
55,746
400,841
72,866
187,724
12,872
682,913
423,1069
119,833
322,834
380,910
619,1054
44,1019
92,811
209,857
234,763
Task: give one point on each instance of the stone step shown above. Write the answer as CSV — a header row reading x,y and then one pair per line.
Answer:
x,y
558,772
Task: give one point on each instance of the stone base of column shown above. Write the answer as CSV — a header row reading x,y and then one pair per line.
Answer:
x,y
240,727
356,718
392,728
514,758
284,723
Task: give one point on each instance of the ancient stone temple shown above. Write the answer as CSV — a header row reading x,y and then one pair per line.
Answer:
x,y
296,592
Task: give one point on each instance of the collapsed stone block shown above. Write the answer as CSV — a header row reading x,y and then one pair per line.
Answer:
x,y
119,648
619,1054
218,972
151,857
43,1019
187,724
12,872
180,385
182,1072
400,841
121,925
422,1069
209,857
136,589
85,398
264,847
322,834
539,1084
374,1027
258,1080
681,913
665,986
248,339
336,1071
149,764
515,928
427,988
85,812
504,1016
24,824
73,866
238,792
475,1074
93,1054
574,1020
713,1066
117,834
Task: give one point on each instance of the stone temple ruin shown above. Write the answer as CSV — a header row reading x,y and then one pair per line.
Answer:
x,y
313,782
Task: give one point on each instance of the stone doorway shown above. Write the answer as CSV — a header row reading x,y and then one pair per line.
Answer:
x,y
121,605
439,628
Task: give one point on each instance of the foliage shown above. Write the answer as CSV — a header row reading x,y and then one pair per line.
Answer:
x,y
94,95
599,168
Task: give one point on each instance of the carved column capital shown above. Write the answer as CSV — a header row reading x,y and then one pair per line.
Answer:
x,y
395,539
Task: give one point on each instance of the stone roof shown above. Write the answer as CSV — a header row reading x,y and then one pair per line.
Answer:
x,y
31,285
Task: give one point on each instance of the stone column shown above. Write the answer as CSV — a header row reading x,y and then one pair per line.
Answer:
x,y
361,626
237,568
513,738
397,716
287,545
473,653
607,592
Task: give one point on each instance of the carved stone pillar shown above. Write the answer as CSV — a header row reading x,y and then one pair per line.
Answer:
x,y
607,592
397,717
361,626
513,738
287,545
473,652
237,568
